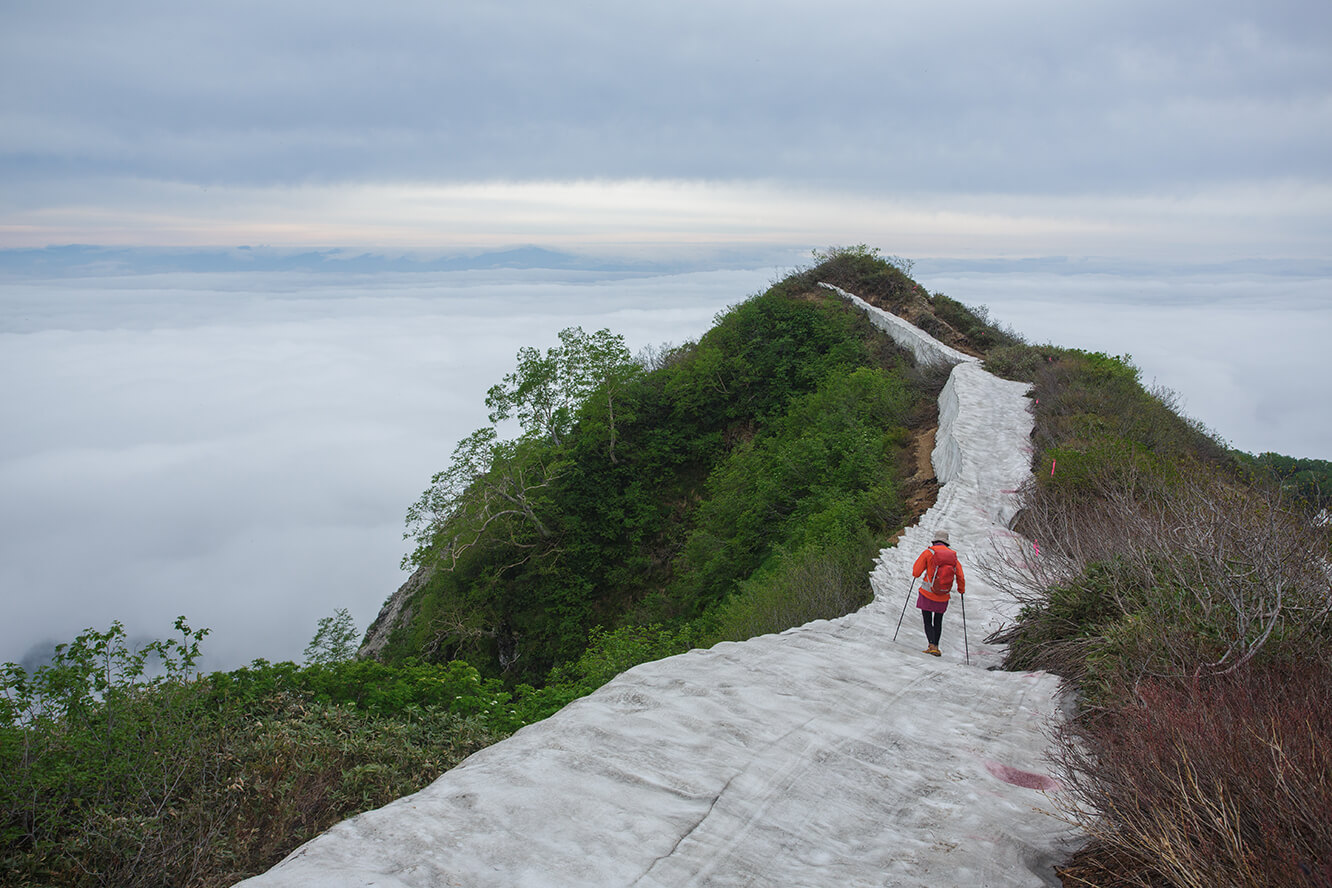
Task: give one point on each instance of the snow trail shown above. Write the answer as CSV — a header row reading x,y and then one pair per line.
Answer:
x,y
826,755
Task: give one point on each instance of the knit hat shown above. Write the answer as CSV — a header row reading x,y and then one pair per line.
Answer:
x,y
941,536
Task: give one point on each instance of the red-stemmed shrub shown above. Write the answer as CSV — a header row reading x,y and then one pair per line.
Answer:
x,y
1216,781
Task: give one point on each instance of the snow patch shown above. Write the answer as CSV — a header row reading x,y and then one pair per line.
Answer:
x,y
929,352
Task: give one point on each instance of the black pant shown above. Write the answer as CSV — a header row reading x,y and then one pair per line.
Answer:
x,y
933,626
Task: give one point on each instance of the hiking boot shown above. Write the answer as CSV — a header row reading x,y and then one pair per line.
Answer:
x,y
933,650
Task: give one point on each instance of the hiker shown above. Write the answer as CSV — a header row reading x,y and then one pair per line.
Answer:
x,y
940,566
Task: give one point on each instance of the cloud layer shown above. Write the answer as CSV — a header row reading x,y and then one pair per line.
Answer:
x,y
242,448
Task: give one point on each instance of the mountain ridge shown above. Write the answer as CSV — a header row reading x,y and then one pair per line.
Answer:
x,y
582,799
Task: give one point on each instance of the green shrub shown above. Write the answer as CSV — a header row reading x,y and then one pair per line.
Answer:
x,y
1099,465
974,323
823,472
1081,396
118,766
1306,480
1018,362
1062,632
611,652
883,281
814,582
305,766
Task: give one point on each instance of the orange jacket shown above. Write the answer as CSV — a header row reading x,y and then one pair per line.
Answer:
x,y
928,564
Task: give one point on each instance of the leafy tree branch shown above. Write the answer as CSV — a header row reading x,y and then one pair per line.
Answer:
x,y
492,494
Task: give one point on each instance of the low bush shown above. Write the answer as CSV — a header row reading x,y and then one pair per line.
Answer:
x,y
611,652
881,280
1146,570
974,323
1207,782
1081,396
1016,361
121,767
1063,631
303,768
1189,604
812,583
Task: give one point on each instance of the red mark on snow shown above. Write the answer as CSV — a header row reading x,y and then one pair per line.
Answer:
x,y
1025,779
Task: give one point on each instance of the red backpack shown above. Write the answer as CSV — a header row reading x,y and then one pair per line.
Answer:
x,y
945,569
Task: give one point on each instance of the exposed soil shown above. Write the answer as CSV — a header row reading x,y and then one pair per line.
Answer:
x,y
921,489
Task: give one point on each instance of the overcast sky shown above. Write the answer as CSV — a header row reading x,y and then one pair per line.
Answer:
x,y
1182,130
1143,177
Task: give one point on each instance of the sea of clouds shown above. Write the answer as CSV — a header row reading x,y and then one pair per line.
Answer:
x,y
241,447
1244,351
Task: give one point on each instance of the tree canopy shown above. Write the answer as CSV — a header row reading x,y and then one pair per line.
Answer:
x,y
636,497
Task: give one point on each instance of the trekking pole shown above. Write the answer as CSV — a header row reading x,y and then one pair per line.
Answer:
x,y
966,646
904,607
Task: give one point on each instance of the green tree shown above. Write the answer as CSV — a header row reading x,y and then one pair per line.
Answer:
x,y
599,369
492,494
545,391
535,394
335,639
495,493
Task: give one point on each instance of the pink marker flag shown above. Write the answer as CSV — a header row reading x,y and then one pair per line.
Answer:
x,y
1052,465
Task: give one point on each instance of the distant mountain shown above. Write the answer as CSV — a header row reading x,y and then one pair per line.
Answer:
x,y
88,260
1066,265
82,260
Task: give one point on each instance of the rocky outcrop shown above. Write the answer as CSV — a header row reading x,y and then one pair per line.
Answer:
x,y
395,612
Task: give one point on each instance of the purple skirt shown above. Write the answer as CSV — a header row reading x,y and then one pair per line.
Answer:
x,y
929,604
